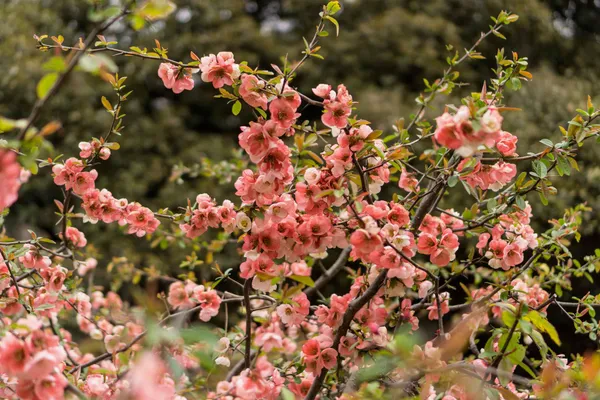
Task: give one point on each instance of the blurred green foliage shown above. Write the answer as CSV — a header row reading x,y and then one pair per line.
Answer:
x,y
385,49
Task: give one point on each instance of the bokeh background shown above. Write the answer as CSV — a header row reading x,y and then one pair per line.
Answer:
x,y
385,49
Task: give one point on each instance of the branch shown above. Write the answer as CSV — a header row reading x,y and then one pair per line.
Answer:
x,y
247,356
339,263
354,306
37,108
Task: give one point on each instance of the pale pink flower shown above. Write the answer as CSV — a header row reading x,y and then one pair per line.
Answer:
x,y
86,266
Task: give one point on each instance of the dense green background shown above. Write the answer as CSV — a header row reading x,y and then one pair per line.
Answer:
x,y
384,50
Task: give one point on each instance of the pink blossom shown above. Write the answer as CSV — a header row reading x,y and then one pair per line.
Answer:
x,y
219,69
444,306
33,259
209,302
446,133
86,266
141,220
176,78
322,90
13,355
506,143
250,90
76,237
316,358
296,312
282,113
10,173
338,107
408,182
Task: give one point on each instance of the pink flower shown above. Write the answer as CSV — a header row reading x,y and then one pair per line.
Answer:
x,y
10,173
141,220
322,90
296,312
365,242
43,363
338,107
149,379
82,182
176,78
76,237
65,173
86,149
444,306
209,302
51,387
95,385
104,153
446,133
427,243
250,90
33,259
180,293
13,355
282,113
221,69
513,254
408,182
506,143
86,266
316,358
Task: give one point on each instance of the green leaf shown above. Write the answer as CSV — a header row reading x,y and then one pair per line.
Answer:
x,y
156,9
508,317
287,395
539,341
334,22
55,64
540,168
236,108
303,279
333,7
543,325
452,181
45,84
261,112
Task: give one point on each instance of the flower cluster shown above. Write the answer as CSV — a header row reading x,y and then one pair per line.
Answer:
x,y
100,204
461,133
508,240
479,175
337,105
36,358
186,295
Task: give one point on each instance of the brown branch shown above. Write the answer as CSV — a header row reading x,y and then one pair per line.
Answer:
x,y
247,355
339,263
37,108
354,306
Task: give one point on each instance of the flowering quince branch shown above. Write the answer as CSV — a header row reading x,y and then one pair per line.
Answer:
x,y
304,191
